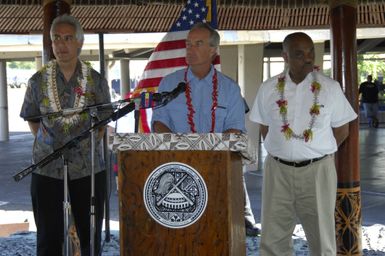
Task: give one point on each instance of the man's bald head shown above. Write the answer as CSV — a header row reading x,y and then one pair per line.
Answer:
x,y
294,37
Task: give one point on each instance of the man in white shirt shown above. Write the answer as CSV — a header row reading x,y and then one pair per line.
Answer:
x,y
303,117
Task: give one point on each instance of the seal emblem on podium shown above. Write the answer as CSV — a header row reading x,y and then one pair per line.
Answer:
x,y
175,195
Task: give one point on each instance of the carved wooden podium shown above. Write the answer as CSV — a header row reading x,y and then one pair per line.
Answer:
x,y
220,227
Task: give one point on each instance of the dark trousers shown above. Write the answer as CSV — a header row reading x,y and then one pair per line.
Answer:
x,y
47,202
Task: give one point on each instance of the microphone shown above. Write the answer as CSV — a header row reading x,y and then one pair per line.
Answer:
x,y
166,97
123,111
71,111
146,99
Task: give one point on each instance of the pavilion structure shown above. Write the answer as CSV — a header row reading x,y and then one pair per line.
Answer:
x,y
342,18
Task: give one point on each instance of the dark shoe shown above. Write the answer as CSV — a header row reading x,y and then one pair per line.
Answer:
x,y
375,122
252,229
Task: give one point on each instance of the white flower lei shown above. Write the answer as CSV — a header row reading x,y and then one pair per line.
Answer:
x,y
53,97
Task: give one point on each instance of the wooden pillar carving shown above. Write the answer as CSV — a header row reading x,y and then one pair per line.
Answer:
x,y
343,17
51,9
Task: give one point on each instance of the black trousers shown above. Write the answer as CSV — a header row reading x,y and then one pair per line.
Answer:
x,y
47,202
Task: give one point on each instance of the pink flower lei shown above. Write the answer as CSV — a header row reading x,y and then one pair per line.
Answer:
x,y
314,110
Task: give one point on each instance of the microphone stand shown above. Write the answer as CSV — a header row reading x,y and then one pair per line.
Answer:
x,y
66,207
71,111
108,188
164,99
114,116
93,115
136,117
60,152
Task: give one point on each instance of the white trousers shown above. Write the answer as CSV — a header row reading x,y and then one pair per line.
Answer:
x,y
307,194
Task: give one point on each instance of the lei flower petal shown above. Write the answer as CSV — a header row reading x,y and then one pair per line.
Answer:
x,y
45,102
52,100
285,127
314,111
287,131
190,107
308,135
315,87
79,91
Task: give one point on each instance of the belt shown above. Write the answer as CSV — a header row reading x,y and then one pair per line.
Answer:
x,y
299,164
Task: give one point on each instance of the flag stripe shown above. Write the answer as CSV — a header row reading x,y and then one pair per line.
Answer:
x,y
161,72
149,82
143,121
171,45
174,62
137,93
165,55
175,36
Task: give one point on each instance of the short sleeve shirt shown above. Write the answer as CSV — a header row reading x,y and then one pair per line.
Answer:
x,y
335,111
369,92
229,114
53,134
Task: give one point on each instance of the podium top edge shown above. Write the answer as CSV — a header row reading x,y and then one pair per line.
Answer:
x,y
186,141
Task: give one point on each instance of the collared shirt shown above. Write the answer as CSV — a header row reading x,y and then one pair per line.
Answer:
x,y
335,111
229,114
52,135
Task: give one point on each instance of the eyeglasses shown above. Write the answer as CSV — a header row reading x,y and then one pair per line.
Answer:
x,y
65,39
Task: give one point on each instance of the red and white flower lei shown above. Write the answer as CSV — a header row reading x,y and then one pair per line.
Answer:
x,y
314,110
190,108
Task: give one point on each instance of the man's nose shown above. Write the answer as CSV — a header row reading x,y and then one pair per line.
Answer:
x,y
309,58
60,43
189,49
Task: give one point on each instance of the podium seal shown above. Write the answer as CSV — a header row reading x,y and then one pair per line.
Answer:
x,y
175,195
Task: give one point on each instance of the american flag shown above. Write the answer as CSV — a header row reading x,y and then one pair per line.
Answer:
x,y
169,54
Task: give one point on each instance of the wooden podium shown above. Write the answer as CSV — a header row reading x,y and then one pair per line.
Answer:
x,y
220,230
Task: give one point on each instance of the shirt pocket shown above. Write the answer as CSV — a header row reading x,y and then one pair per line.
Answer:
x,y
277,117
323,118
220,118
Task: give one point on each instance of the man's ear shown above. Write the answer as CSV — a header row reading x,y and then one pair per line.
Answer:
x,y
213,52
285,57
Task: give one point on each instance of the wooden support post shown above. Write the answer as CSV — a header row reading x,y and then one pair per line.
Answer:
x,y
343,16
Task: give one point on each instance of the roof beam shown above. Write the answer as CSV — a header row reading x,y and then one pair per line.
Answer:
x,y
368,45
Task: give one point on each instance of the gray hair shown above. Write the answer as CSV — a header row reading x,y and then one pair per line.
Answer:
x,y
214,35
70,20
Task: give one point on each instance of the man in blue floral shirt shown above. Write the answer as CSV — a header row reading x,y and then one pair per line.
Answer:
x,y
65,83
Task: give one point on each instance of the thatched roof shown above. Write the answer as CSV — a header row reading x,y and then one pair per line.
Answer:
x,y
122,16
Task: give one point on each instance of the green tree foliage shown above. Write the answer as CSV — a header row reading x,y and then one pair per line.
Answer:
x,y
370,64
21,64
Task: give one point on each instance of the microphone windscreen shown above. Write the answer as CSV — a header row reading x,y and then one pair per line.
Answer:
x,y
146,100
181,87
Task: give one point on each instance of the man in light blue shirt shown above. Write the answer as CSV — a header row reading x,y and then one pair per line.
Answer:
x,y
211,103
229,110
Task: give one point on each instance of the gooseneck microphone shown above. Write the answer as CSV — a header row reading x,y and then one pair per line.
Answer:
x,y
161,98
165,97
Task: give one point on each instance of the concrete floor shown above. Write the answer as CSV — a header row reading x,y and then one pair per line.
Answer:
x,y
372,169
15,155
